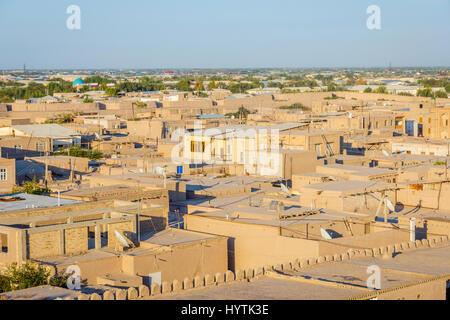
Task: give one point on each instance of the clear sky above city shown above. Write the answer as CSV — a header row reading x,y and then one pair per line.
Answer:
x,y
223,34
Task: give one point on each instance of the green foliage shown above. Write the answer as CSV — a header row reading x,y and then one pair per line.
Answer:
x,y
59,85
183,85
381,89
242,112
199,86
439,163
59,281
333,87
333,97
241,87
22,277
368,90
88,100
436,83
77,151
111,92
295,106
5,284
405,94
62,118
30,187
441,94
33,90
426,92
143,84
212,85
140,104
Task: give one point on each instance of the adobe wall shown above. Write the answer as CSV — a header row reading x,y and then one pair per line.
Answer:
x,y
91,269
251,245
43,244
122,226
53,107
76,240
365,241
196,258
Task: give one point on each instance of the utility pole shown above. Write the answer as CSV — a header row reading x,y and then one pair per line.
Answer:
x,y
279,218
99,127
46,161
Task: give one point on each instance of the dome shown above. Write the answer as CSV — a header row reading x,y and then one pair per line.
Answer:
x,y
77,82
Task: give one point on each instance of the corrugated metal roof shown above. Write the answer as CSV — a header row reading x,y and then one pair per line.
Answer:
x,y
32,201
54,131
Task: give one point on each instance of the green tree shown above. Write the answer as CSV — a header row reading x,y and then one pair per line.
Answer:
x,y
426,92
26,276
440,94
212,85
111,92
183,85
31,187
368,90
381,89
199,85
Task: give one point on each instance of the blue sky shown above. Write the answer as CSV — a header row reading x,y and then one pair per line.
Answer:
x,y
223,34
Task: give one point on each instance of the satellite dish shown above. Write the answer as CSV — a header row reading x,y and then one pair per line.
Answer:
x,y
285,189
389,204
325,234
159,170
350,115
385,152
123,241
96,136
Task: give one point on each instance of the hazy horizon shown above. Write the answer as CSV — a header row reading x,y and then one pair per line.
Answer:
x,y
202,34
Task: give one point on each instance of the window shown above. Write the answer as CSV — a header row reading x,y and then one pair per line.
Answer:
x,y
197,146
429,120
3,174
40,146
3,243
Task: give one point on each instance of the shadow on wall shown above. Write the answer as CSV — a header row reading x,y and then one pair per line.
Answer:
x,y
231,261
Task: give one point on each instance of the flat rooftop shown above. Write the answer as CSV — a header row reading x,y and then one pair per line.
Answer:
x,y
331,280
347,186
359,170
29,201
266,289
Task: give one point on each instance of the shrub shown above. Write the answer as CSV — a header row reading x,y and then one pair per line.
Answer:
x,y
31,187
5,284
59,281
26,276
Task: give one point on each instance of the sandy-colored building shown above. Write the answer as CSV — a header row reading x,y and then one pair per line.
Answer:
x,y
7,175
